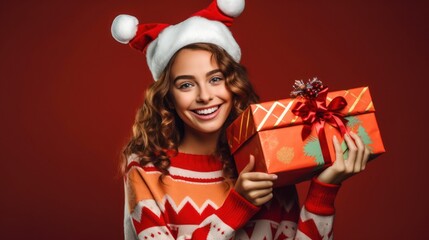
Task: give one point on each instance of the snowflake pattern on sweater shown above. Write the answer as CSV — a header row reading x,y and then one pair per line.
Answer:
x,y
194,201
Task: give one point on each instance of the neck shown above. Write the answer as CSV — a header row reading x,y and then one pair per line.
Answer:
x,y
195,142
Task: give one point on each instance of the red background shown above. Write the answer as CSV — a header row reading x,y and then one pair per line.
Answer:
x,y
69,93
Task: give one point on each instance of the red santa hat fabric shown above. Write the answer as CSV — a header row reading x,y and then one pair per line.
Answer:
x,y
162,41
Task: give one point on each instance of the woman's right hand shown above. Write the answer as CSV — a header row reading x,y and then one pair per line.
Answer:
x,y
256,187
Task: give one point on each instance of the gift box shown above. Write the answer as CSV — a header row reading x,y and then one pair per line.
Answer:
x,y
293,137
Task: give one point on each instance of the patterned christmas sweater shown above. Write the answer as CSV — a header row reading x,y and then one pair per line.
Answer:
x,y
195,201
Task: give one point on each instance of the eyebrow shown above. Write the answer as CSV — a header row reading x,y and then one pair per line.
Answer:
x,y
192,77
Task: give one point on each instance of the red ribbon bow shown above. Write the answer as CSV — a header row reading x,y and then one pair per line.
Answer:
x,y
314,112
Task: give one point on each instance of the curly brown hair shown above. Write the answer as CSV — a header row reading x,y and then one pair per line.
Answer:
x,y
158,130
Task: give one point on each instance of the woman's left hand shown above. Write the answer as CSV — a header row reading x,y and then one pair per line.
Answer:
x,y
342,168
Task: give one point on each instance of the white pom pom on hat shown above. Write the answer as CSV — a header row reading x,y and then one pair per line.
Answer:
x,y
124,28
162,41
232,8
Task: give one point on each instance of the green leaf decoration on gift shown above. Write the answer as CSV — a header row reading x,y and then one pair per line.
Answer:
x,y
312,149
361,132
352,121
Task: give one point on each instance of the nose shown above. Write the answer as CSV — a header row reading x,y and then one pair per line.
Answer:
x,y
205,95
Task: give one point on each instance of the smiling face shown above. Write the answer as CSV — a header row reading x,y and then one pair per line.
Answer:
x,y
199,93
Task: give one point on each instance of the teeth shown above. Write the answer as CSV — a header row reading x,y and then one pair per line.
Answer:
x,y
207,111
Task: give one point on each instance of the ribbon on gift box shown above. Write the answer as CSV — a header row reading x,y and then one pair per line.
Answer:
x,y
314,112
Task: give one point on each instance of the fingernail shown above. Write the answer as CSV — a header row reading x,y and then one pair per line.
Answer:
x,y
274,176
335,138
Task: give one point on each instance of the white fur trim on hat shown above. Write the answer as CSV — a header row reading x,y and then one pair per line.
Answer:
x,y
124,28
232,8
193,30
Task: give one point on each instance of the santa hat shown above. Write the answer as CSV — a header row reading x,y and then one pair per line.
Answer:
x,y
162,41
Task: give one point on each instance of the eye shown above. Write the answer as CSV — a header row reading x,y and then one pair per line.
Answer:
x,y
185,85
216,79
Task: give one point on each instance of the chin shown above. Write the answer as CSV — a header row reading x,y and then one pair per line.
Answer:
x,y
209,129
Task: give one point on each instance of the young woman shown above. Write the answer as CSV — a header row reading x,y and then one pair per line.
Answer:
x,y
180,181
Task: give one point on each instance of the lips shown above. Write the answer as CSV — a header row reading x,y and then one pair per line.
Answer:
x,y
207,113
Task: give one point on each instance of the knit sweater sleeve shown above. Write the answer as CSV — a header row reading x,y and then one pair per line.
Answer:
x,y
145,218
317,214
282,217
